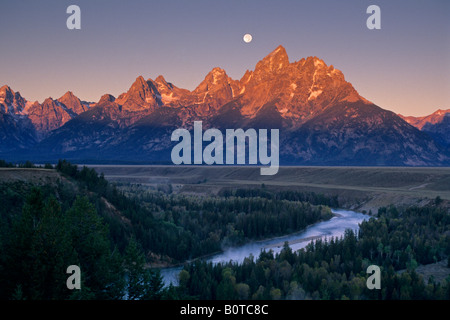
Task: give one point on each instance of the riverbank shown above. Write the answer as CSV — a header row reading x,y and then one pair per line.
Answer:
x,y
280,245
161,265
334,227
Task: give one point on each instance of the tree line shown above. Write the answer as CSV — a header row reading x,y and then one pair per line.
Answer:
x,y
185,227
336,268
83,219
290,195
40,242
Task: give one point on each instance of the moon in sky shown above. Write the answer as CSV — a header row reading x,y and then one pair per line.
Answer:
x,y
247,37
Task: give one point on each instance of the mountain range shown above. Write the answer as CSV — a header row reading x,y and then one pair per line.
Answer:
x,y
321,117
436,125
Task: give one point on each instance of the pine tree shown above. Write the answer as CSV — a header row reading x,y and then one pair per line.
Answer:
x,y
18,257
18,293
51,253
137,278
90,240
154,290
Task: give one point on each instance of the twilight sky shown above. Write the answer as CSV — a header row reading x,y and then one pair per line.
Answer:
x,y
404,67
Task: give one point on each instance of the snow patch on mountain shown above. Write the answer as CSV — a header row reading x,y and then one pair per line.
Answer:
x,y
315,94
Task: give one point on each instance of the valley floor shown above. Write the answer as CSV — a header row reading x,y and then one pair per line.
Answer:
x,y
358,188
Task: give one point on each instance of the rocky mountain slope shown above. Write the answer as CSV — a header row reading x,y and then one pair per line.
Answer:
x,y
440,131
437,125
434,118
321,117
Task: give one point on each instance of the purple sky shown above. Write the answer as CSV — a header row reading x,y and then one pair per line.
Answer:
x,y
404,67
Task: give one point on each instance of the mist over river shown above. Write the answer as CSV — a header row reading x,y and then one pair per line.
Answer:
x,y
335,227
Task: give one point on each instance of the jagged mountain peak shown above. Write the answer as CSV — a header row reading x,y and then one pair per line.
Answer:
x,y
298,90
73,103
246,77
6,95
160,79
162,84
139,80
139,85
273,62
218,71
49,115
141,96
68,95
316,61
69,99
214,80
11,101
318,68
216,75
213,92
279,53
106,98
5,88
433,118
170,95
49,100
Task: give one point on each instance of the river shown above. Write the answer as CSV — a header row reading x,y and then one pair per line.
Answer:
x,y
335,227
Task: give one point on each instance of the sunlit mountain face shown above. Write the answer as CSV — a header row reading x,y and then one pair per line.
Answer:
x,y
321,117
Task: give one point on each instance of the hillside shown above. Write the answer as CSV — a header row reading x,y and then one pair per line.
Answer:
x,y
69,215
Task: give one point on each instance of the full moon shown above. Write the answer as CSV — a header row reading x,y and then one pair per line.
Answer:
x,y
247,37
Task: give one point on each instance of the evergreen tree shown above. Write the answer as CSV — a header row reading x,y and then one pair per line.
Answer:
x,y
51,253
137,277
19,263
156,285
90,239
